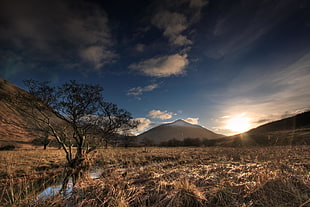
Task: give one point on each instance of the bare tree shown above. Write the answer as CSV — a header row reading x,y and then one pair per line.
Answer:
x,y
80,110
111,122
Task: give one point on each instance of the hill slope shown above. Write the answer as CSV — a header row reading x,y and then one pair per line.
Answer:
x,y
15,126
289,131
178,130
292,123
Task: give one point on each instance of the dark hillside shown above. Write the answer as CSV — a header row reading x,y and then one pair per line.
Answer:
x,y
292,123
289,131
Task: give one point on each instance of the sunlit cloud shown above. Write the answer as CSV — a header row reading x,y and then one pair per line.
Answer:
x,y
163,66
163,115
144,123
138,91
192,120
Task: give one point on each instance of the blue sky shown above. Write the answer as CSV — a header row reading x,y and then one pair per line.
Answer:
x,y
226,65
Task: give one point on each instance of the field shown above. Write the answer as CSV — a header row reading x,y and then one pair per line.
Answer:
x,y
256,176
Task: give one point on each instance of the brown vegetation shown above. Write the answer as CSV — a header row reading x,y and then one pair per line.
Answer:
x,y
258,176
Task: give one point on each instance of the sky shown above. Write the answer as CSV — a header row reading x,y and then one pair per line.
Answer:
x,y
226,65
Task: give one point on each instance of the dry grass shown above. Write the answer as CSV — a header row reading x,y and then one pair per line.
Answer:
x,y
273,176
23,172
21,163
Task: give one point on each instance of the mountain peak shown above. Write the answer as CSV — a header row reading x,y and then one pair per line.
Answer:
x,y
181,122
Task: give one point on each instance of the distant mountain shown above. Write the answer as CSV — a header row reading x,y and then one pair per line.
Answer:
x,y
16,127
289,131
178,130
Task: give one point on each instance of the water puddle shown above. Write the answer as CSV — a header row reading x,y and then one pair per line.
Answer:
x,y
96,172
55,188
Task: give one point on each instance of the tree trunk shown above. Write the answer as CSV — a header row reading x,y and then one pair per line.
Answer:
x,y
76,169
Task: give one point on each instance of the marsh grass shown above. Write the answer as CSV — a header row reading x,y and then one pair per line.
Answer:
x,y
15,193
258,176
24,173
29,162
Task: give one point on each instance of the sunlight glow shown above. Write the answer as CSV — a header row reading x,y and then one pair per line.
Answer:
x,y
239,123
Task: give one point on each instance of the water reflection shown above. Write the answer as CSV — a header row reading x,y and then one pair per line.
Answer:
x,y
50,191
55,188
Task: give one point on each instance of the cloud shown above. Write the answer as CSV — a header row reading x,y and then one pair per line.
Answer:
x,y
197,3
269,95
175,17
242,24
140,47
192,120
144,124
173,25
163,115
137,91
97,55
57,32
163,66
196,6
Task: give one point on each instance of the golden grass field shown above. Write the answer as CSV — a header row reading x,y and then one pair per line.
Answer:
x,y
212,176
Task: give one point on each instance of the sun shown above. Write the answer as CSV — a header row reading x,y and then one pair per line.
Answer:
x,y
239,123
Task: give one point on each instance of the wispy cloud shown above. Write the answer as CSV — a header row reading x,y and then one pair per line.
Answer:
x,y
196,7
173,24
139,47
163,115
242,24
279,93
138,91
163,66
97,56
56,31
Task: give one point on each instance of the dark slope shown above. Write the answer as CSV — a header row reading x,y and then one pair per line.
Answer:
x,y
289,131
292,123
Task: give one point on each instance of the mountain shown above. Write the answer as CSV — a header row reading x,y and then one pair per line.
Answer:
x,y
178,130
16,127
289,131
